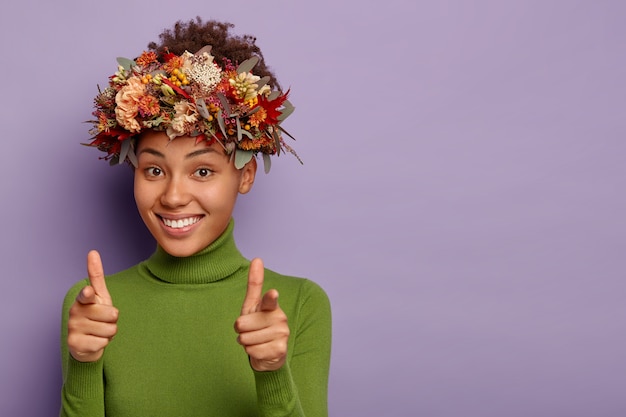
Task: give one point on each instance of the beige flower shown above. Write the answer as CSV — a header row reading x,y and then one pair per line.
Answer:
x,y
244,85
202,71
127,104
185,115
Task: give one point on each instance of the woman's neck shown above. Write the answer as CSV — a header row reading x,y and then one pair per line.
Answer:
x,y
221,259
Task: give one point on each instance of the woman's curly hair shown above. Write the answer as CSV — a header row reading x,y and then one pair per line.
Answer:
x,y
195,34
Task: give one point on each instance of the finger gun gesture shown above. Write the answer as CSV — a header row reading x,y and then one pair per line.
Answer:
x,y
262,326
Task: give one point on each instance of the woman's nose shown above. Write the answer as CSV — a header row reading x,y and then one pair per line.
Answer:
x,y
175,194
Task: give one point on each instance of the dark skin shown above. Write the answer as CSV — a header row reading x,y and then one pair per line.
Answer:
x,y
174,184
262,325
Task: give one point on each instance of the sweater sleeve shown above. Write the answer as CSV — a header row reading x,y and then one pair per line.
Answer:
x,y
300,387
83,383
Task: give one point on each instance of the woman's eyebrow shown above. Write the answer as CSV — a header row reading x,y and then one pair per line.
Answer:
x,y
199,152
152,152
188,156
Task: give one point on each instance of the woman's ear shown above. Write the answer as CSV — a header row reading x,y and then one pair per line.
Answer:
x,y
248,173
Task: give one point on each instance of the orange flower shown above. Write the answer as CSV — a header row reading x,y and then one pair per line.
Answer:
x,y
146,58
127,101
148,106
175,63
249,144
258,117
258,144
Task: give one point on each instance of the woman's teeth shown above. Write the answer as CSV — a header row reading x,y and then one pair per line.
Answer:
x,y
180,223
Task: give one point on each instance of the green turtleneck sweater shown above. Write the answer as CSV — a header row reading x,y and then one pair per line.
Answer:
x,y
175,353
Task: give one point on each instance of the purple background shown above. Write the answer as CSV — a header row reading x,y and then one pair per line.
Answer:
x,y
462,198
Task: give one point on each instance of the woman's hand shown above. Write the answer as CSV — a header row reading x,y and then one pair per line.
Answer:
x,y
262,325
93,319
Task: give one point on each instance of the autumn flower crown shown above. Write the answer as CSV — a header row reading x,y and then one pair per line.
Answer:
x,y
190,95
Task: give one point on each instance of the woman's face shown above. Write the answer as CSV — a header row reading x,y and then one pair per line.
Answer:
x,y
185,192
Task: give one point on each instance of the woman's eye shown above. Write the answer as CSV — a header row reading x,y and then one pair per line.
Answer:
x,y
202,172
153,171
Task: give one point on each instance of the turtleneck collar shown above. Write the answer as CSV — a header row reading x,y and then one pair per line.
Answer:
x,y
217,261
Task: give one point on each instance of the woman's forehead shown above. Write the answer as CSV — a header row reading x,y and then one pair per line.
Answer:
x,y
182,144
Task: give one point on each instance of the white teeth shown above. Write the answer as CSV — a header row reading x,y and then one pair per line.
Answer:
x,y
178,224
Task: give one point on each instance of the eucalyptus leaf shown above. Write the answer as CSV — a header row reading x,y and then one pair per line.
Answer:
x,y
254,110
201,106
206,48
246,133
242,158
273,95
124,150
220,121
225,104
125,63
286,111
267,163
262,82
239,129
247,65
132,157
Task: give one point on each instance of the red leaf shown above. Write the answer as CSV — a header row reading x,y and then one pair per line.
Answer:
x,y
271,107
177,89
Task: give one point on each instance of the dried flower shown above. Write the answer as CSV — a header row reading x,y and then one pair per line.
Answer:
x,y
127,101
189,95
244,85
185,115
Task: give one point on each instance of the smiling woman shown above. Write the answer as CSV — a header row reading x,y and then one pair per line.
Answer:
x,y
157,338
186,192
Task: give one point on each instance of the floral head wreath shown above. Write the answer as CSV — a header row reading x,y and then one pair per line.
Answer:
x,y
190,95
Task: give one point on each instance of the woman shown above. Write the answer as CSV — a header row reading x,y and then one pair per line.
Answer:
x,y
157,339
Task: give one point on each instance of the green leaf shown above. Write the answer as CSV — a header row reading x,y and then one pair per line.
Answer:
x,y
206,48
126,63
124,150
247,65
239,129
288,108
242,158
262,82
225,104
250,113
201,106
267,163
273,95
132,157
220,121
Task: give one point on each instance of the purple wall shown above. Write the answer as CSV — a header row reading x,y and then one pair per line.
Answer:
x,y
462,199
